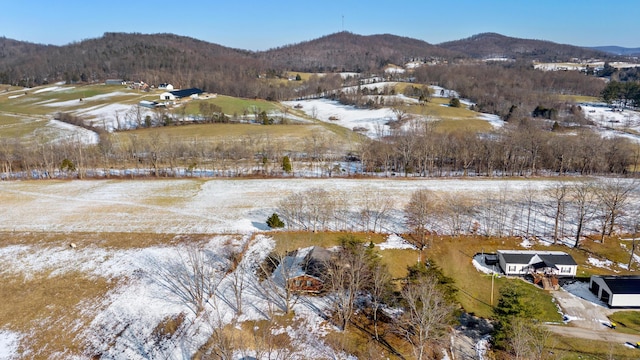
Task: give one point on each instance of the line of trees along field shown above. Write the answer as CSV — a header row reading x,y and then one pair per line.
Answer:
x,y
523,150
561,210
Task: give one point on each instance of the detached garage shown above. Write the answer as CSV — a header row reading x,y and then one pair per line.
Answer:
x,y
617,291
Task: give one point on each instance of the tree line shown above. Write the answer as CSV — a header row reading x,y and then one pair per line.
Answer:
x,y
562,211
529,148
509,90
415,151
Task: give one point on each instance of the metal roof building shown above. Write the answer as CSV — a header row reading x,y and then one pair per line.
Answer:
x,y
617,291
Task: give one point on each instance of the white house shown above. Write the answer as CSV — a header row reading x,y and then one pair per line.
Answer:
x,y
523,262
617,291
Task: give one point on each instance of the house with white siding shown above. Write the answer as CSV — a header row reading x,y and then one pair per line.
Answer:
x,y
524,262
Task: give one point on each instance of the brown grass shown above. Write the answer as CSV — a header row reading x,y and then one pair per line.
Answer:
x,y
125,240
251,336
48,308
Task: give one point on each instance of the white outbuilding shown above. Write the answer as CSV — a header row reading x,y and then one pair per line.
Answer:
x,y
167,96
617,291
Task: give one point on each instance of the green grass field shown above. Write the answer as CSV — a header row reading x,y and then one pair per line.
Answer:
x,y
231,105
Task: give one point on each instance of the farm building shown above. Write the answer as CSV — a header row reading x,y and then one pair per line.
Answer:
x,y
150,104
617,291
165,86
523,262
179,94
114,82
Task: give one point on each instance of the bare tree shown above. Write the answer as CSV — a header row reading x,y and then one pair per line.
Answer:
x,y
238,276
583,196
374,209
348,275
557,193
426,315
520,339
614,194
419,212
278,267
193,277
457,208
530,197
528,340
380,282
634,224
223,340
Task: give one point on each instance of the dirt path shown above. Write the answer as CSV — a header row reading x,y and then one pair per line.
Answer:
x,y
582,313
605,334
587,320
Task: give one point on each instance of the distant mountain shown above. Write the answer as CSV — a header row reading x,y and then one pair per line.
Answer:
x,y
492,45
345,51
188,62
618,50
156,58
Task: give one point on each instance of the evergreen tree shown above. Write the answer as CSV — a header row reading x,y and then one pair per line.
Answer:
x,y
286,164
511,306
455,102
274,221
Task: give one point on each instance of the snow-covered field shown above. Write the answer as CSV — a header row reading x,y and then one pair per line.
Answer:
x,y
614,123
197,206
73,133
124,320
374,122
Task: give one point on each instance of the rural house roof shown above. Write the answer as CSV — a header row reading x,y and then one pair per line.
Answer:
x,y
623,284
550,258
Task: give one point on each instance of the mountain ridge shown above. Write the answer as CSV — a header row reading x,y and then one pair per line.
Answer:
x,y
167,57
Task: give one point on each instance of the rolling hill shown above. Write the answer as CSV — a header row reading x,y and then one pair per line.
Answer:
x,y
618,50
492,45
345,51
184,61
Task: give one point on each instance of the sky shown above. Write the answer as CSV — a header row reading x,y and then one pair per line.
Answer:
x,y
264,24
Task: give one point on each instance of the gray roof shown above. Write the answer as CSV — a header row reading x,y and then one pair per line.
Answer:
x,y
524,257
622,284
186,92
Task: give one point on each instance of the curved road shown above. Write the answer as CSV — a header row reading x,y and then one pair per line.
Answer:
x,y
588,320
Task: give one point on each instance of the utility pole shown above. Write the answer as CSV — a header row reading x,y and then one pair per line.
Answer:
x,y
493,275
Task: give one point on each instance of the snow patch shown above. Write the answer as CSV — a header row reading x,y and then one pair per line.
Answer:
x,y
8,345
73,132
605,264
395,242
482,347
52,88
581,290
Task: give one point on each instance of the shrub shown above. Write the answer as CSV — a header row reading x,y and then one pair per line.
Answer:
x,y
274,221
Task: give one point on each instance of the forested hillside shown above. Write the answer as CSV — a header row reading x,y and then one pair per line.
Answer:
x,y
492,45
345,51
188,62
